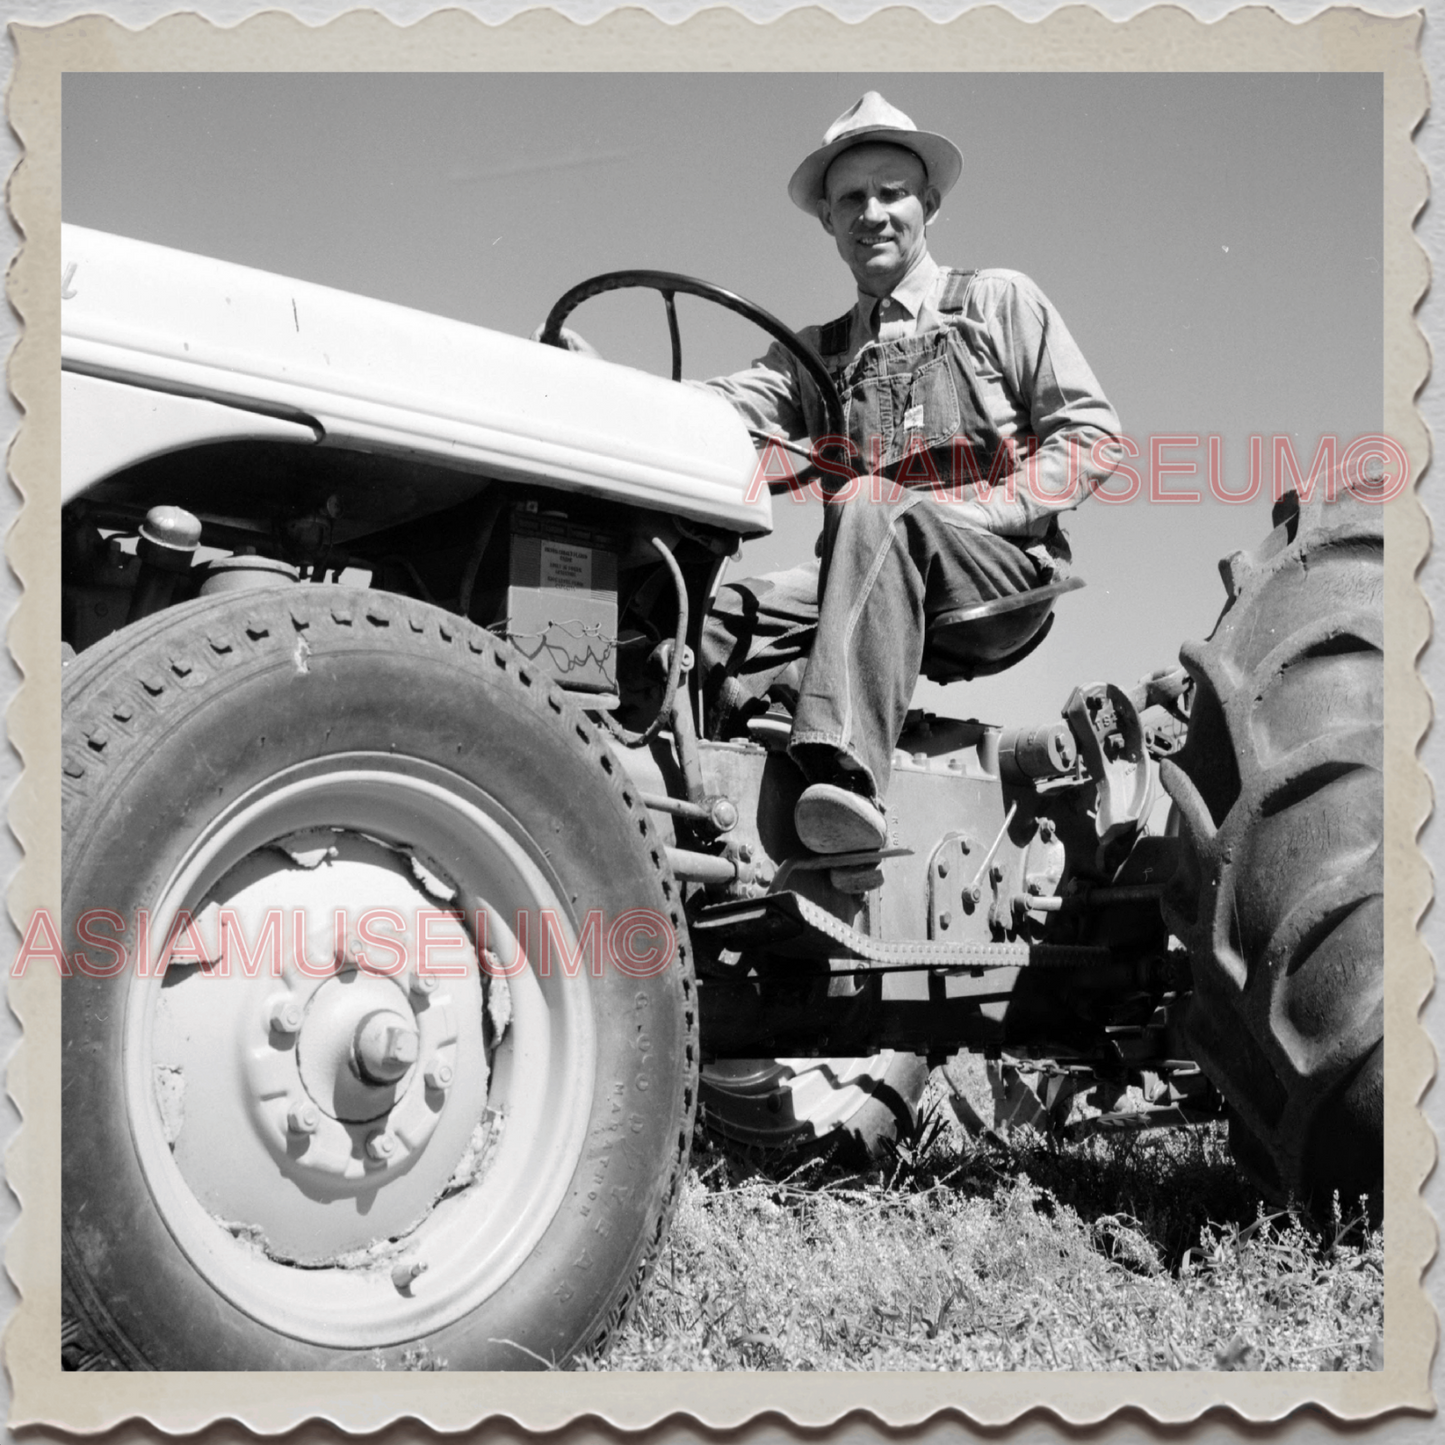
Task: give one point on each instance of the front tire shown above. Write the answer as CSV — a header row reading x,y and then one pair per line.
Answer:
x,y
339,1160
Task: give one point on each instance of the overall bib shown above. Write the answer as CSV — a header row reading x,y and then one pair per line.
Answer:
x,y
910,396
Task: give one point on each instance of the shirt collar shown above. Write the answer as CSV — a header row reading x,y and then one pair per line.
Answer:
x,y
910,293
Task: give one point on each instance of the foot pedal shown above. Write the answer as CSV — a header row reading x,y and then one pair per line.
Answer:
x,y
861,878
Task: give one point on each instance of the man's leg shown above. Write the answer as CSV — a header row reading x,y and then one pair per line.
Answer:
x,y
886,566
756,631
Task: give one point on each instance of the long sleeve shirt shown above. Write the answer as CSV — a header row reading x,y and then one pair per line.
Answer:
x,y
1033,382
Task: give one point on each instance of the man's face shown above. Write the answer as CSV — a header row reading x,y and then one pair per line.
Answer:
x,y
878,202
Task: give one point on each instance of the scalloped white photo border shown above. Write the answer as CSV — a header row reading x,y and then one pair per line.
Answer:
x,y
1163,38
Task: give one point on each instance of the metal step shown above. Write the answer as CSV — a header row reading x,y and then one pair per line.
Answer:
x,y
788,918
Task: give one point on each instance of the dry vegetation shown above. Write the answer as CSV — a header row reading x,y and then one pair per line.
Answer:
x,y
986,1252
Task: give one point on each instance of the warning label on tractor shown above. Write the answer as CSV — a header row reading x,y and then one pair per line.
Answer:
x,y
566,566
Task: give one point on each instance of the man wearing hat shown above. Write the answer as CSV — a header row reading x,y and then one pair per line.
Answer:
x,y
948,378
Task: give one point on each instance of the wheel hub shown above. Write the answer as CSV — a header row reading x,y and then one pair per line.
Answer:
x,y
385,1047
355,1058
357,1044
361,1089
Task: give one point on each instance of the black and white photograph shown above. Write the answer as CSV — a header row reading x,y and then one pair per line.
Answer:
x,y
722,722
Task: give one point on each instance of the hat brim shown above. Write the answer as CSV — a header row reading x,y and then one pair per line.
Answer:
x,y
941,159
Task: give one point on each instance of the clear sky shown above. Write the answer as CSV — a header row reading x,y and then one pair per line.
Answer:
x,y
1213,242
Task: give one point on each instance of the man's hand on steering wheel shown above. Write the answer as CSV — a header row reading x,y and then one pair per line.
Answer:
x,y
568,339
669,284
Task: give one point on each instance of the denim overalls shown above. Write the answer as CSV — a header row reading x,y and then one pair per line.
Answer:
x,y
917,393
886,564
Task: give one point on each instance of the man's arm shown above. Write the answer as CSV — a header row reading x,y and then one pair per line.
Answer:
x,y
1067,412
767,395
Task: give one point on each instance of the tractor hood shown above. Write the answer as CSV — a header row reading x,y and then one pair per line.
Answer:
x,y
368,375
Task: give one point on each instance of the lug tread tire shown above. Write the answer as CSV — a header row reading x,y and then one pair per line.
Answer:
x,y
1280,790
889,1111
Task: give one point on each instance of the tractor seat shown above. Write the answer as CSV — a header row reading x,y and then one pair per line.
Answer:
x,y
987,637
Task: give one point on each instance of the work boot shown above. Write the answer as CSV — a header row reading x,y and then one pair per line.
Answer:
x,y
830,819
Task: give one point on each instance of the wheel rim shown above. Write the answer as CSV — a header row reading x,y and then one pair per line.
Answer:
x,y
256,1103
774,1101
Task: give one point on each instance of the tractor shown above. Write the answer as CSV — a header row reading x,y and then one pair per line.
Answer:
x,y
414,916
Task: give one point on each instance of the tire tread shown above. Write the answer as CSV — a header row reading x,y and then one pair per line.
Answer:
x,y
111,687
1266,933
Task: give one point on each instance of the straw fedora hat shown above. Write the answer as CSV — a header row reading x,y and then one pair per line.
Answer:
x,y
873,119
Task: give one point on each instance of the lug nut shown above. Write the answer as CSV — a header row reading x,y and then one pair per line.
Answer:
x,y
942,868
422,983
285,1016
1046,829
381,1146
303,1117
439,1075
945,919
996,873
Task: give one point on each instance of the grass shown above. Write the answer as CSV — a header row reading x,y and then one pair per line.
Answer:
x,y
1002,1252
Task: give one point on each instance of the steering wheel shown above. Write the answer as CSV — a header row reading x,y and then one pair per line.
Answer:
x,y
669,283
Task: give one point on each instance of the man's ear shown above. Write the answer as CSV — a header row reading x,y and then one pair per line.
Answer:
x,y
825,215
931,202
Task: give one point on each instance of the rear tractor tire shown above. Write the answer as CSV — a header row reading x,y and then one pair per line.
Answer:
x,y
1280,899
855,1107
337,1156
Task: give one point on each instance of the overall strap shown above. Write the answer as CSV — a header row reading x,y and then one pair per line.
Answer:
x,y
955,289
833,338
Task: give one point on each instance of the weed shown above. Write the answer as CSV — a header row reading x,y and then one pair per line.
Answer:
x,y
967,1249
